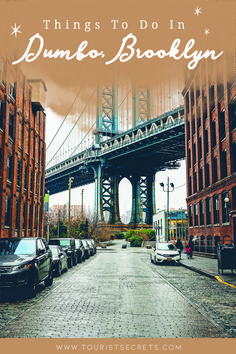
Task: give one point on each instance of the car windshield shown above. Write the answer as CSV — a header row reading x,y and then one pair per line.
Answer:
x,y
77,242
84,243
166,247
64,243
18,247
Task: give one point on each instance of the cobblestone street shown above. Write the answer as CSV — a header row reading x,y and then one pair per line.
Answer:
x,y
119,293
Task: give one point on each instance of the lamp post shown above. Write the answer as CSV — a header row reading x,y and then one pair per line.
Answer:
x,y
168,185
70,182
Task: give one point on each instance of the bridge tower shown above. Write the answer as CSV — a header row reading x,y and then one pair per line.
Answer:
x,y
107,184
107,179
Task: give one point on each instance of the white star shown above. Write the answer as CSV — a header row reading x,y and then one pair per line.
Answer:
x,y
207,31
15,30
197,11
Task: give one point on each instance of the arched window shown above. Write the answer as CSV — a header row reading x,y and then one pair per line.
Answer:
x,y
209,244
225,207
196,243
216,242
202,244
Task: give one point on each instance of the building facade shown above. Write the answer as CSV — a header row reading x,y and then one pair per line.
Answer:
x,y
210,121
178,225
22,153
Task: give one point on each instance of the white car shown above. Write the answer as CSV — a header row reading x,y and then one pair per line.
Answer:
x,y
164,252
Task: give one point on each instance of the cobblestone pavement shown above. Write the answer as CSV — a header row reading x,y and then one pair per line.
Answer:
x,y
119,294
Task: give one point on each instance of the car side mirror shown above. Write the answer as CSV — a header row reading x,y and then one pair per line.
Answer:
x,y
41,252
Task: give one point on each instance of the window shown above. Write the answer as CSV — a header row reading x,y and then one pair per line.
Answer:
x,y
200,179
202,244
7,211
200,147
189,158
222,124
195,214
24,217
190,212
9,164
225,207
18,179
214,133
208,211
224,164
194,153
216,209
190,186
220,91
233,115
212,97
12,91
204,107
209,244
11,120
233,156
0,160
201,207
207,175
193,124
214,168
199,117
195,182
187,103
17,215
31,180
188,131
206,142
26,178
1,114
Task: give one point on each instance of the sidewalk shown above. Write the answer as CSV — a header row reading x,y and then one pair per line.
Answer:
x,y
209,267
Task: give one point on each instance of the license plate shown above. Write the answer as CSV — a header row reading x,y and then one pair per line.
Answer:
x,y
169,259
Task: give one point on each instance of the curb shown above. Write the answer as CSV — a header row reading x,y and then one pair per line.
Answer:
x,y
209,275
197,270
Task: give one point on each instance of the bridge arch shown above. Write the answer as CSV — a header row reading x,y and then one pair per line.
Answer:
x,y
125,200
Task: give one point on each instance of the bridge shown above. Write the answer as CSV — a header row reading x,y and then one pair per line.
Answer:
x,y
137,153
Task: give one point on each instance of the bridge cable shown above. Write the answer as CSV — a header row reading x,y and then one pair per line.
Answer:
x,y
72,128
63,121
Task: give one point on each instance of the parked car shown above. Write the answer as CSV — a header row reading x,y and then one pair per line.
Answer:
x,y
79,250
59,260
164,252
68,245
92,245
24,263
87,251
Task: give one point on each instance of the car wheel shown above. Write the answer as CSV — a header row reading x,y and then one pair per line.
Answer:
x,y
155,261
31,290
69,262
59,270
49,280
151,259
75,261
79,260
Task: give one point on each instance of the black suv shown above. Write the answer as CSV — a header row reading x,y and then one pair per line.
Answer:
x,y
24,263
68,245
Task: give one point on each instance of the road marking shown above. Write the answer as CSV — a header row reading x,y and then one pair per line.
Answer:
x,y
218,278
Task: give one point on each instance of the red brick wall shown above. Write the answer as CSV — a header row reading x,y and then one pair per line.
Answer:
x,y
28,147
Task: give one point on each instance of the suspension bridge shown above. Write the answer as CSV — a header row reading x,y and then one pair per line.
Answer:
x,y
118,133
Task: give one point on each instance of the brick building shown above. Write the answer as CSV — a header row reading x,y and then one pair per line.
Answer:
x,y
210,120
22,153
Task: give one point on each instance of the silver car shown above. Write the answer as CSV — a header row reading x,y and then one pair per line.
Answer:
x,y
164,252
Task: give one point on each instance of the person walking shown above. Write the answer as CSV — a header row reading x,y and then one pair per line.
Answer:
x,y
191,244
179,246
188,250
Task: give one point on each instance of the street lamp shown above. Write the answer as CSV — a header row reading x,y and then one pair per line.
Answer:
x,y
168,185
70,182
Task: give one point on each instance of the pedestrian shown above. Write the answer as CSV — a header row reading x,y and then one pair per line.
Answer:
x,y
191,244
188,250
179,246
